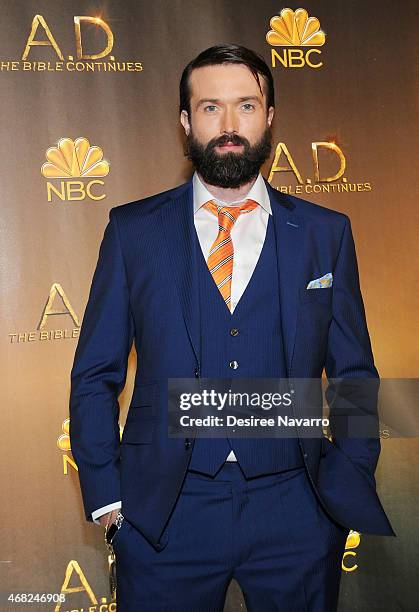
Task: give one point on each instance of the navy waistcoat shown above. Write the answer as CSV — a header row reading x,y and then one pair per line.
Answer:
x,y
257,348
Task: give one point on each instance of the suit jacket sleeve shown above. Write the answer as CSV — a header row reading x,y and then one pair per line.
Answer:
x,y
352,375
98,376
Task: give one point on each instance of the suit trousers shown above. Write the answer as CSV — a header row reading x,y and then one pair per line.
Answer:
x,y
267,532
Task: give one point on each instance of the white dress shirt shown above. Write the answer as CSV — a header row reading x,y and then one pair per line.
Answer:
x,y
247,234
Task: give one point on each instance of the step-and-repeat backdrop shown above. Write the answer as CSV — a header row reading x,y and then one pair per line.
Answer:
x,y
89,120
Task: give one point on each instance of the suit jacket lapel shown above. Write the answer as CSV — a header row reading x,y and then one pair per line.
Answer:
x,y
180,240
289,234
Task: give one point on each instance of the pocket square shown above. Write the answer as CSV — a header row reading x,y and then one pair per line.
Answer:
x,y
322,282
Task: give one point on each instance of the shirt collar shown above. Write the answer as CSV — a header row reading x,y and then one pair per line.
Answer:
x,y
258,193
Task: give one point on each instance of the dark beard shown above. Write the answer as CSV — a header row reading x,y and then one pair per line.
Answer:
x,y
228,170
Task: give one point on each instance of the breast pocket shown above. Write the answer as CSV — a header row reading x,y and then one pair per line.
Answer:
x,y
322,295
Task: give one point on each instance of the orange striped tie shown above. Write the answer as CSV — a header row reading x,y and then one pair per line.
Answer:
x,y
221,255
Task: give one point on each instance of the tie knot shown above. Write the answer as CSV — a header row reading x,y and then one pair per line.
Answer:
x,y
228,215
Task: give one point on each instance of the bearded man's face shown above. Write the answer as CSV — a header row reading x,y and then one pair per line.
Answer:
x,y
228,131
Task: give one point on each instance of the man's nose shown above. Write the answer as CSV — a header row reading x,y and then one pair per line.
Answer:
x,y
229,122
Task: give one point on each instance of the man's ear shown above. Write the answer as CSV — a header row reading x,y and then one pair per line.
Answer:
x,y
184,119
271,113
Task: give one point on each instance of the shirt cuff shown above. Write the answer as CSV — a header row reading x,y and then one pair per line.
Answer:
x,y
101,511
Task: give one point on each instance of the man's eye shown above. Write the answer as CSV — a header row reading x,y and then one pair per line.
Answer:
x,y
210,108
248,106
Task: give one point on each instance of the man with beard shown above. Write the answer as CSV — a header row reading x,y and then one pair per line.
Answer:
x,y
209,279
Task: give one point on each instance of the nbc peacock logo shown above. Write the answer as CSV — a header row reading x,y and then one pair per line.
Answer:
x,y
74,171
63,440
64,445
349,556
294,31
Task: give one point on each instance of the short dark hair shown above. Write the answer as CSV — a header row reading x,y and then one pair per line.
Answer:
x,y
225,53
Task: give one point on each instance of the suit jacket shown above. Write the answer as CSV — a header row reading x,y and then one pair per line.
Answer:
x,y
144,289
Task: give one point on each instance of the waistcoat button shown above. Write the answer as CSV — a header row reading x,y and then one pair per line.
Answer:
x,y
234,365
234,331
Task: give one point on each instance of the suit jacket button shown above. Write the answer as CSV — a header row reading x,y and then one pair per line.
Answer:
x,y
305,455
233,365
234,331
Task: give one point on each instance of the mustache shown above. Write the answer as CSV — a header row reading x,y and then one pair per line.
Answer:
x,y
233,138
231,169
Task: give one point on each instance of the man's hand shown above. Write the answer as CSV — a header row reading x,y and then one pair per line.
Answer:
x,y
103,520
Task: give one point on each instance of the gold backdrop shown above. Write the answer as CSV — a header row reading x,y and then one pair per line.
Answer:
x,y
104,76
